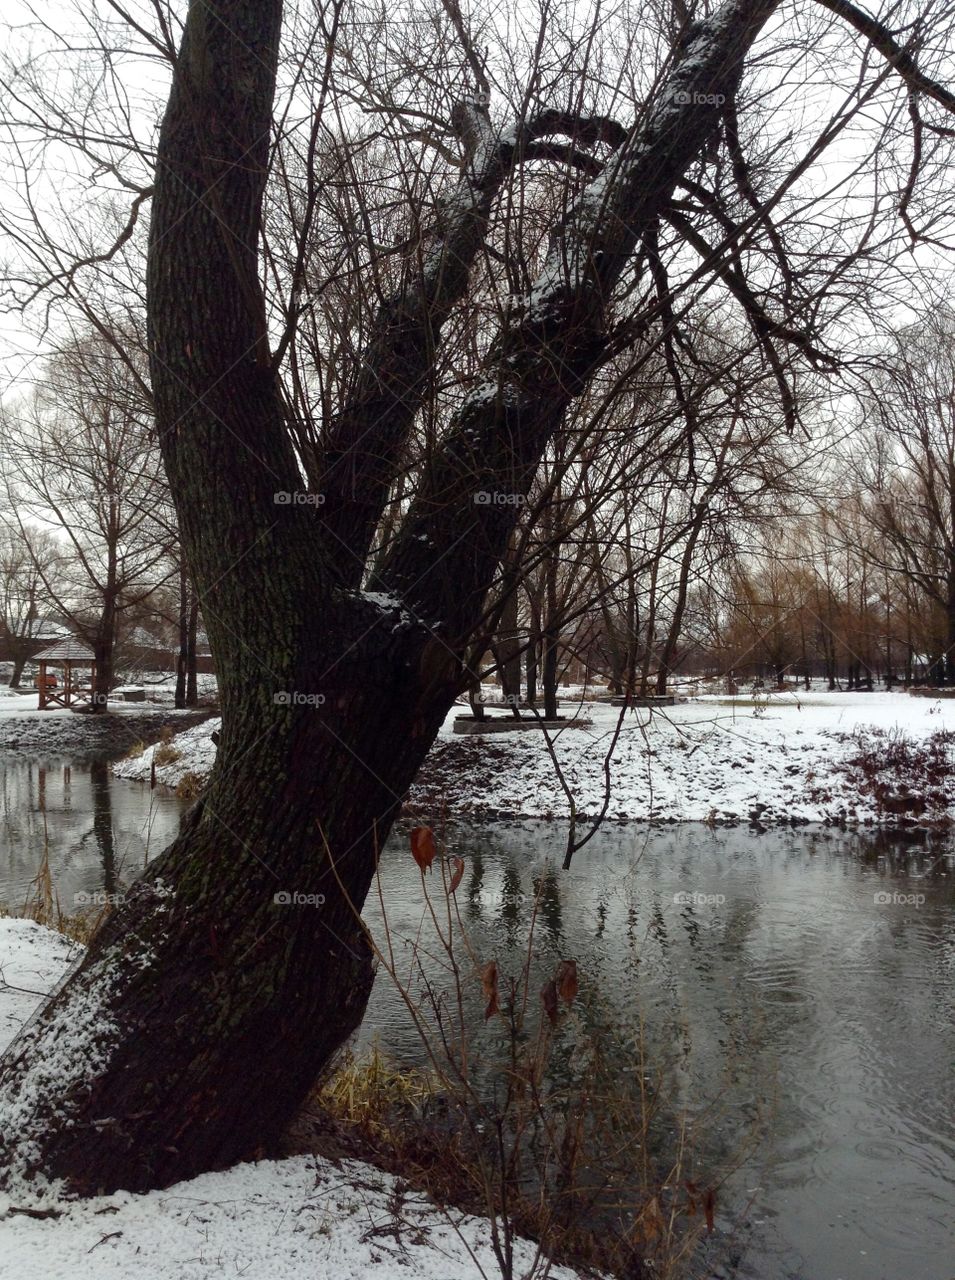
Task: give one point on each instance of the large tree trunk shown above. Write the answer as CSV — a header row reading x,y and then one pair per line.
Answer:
x,y
206,972
21,654
206,1006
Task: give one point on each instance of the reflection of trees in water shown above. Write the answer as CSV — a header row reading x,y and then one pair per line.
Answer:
x,y
776,1012
103,821
547,893
929,853
99,831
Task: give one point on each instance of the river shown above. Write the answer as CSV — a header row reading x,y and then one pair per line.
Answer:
x,y
794,992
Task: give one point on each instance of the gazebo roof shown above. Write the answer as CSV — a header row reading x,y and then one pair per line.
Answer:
x,y
68,650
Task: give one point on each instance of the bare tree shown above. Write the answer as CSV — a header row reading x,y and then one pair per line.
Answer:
x,y
82,459
205,1007
25,603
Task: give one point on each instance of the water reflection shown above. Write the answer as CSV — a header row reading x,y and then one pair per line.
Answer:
x,y
794,987
792,992
98,831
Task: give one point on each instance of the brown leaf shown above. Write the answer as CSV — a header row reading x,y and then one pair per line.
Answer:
x,y
457,875
567,987
709,1207
489,987
423,848
549,1000
651,1220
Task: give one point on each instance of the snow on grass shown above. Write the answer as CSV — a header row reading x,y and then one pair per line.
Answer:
x,y
302,1218
712,759
32,961
66,1051
778,758
197,753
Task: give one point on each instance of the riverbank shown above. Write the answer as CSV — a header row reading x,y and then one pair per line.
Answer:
x,y
289,1219
858,759
59,732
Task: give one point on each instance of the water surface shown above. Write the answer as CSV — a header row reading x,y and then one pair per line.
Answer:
x,y
794,992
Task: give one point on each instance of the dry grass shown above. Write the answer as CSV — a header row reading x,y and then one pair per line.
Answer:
x,y
373,1093
542,1176
909,778
43,906
532,1126
190,786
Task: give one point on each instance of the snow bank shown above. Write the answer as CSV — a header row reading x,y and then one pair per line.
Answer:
x,y
32,961
196,754
296,1219
710,759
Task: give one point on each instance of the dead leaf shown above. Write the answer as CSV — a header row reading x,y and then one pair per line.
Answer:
x,y
457,875
709,1207
489,987
567,986
423,847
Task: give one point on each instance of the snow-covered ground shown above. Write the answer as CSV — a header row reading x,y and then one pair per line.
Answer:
x,y
61,732
709,759
302,1218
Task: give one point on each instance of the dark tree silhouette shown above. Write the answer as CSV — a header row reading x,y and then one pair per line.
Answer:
x,y
208,1003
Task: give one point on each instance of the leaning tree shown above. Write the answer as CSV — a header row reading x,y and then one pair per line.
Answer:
x,y
206,1005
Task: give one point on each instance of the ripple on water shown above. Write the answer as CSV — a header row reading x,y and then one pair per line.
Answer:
x,y
781,981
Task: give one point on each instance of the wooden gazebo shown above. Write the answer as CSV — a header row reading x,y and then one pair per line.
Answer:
x,y
73,658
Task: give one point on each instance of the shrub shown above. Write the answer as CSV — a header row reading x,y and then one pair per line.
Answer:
x,y
906,776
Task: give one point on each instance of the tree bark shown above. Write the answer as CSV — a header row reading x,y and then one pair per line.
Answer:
x,y
206,1006
104,646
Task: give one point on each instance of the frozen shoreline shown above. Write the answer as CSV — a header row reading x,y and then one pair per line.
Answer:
x,y
712,759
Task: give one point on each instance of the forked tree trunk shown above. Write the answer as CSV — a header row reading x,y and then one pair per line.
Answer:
x,y
328,709
208,1003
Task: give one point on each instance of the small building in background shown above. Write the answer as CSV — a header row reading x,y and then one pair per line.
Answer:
x,y
73,687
